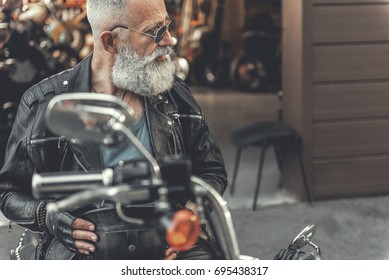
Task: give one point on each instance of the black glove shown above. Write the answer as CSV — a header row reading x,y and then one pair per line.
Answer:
x,y
59,224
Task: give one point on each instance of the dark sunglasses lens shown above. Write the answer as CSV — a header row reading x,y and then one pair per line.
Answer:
x,y
160,33
162,30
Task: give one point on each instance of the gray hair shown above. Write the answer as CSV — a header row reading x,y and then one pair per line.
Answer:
x,y
104,13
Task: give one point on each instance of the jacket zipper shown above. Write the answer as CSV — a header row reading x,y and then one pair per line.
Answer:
x,y
175,143
146,105
40,141
178,135
177,116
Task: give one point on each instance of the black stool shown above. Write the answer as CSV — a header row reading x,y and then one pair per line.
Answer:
x,y
264,135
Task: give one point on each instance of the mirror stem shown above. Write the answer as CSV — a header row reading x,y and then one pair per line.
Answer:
x,y
155,170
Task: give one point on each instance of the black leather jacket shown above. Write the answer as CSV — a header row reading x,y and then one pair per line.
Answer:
x,y
176,123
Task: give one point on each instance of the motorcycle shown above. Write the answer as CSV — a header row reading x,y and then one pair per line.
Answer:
x,y
63,25
257,67
36,42
27,56
105,120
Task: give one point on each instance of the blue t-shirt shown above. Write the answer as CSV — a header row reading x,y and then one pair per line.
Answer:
x,y
124,151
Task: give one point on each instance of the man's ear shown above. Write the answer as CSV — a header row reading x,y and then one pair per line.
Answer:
x,y
108,40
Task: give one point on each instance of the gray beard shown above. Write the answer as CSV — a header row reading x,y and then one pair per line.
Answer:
x,y
143,75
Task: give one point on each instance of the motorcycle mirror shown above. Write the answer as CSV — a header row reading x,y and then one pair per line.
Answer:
x,y
305,234
87,116
99,118
304,238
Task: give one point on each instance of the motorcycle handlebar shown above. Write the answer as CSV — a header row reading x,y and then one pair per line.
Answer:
x,y
119,194
57,185
175,172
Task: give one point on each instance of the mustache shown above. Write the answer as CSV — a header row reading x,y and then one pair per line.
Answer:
x,y
160,51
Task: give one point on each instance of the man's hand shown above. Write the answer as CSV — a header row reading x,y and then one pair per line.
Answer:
x,y
192,207
72,232
83,232
170,254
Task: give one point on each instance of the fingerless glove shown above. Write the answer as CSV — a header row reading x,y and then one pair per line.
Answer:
x,y
59,224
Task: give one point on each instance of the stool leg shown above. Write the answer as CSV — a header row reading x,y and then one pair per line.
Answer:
x,y
304,176
277,151
237,160
263,153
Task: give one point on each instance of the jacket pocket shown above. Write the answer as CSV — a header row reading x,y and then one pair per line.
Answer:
x,y
47,153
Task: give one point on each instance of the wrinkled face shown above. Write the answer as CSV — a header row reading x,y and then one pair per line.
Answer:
x,y
146,16
141,65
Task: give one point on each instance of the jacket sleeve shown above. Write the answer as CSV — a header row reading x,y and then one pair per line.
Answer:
x,y
207,158
199,140
16,200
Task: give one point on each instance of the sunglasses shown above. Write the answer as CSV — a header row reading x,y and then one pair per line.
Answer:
x,y
158,34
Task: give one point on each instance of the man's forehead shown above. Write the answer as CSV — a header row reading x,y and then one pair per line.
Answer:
x,y
147,12
144,7
157,22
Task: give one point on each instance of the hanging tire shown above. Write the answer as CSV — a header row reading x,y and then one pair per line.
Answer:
x,y
248,73
206,71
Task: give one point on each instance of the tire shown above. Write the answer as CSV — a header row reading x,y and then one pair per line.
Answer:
x,y
248,73
206,71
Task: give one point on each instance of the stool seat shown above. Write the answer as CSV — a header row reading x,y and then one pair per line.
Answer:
x,y
265,134
258,132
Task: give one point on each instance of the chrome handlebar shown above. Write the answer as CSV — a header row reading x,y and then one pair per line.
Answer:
x,y
126,194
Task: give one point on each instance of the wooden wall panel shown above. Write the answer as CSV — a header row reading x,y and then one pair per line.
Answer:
x,y
340,178
345,101
351,138
343,98
351,62
351,24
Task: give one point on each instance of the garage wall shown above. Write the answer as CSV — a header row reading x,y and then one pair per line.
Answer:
x,y
338,99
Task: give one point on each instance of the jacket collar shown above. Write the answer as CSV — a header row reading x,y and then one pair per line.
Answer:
x,y
80,79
